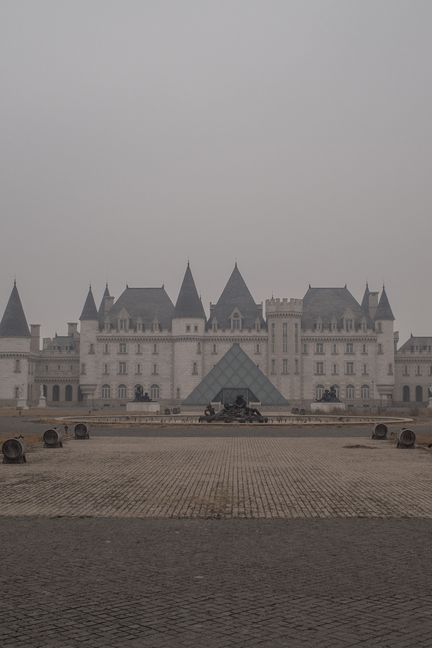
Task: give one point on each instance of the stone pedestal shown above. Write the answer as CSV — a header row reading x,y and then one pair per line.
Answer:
x,y
327,408
42,402
22,403
143,408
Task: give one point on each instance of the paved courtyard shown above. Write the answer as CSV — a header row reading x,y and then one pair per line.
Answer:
x,y
226,477
208,542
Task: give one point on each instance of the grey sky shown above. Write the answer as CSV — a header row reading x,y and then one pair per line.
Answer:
x,y
293,136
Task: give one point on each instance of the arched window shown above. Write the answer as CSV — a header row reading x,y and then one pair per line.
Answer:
x,y
106,392
68,392
365,392
45,390
122,391
419,394
350,392
337,390
319,391
406,396
154,392
56,393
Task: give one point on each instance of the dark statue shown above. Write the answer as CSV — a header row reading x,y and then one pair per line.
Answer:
x,y
238,411
140,396
329,396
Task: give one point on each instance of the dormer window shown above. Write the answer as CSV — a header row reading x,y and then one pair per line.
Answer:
x,y
123,324
236,322
214,325
155,326
257,325
318,325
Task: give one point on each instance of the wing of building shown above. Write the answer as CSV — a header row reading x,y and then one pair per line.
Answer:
x,y
300,347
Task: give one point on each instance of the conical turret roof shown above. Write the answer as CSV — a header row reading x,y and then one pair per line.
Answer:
x,y
105,296
236,295
188,303
14,323
365,300
384,311
89,312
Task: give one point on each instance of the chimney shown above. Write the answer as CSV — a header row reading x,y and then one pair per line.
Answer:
x,y
72,329
35,338
373,304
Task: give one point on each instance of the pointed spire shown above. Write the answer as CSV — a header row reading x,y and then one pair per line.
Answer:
x,y
105,296
384,311
365,300
14,323
89,312
189,303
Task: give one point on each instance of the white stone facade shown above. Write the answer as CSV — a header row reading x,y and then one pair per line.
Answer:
x,y
303,346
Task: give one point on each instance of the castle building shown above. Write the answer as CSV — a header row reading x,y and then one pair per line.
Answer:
x,y
289,352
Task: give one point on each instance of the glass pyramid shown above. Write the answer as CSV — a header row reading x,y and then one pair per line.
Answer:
x,y
235,371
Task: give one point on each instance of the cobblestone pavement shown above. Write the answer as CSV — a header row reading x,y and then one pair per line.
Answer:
x,y
99,583
220,478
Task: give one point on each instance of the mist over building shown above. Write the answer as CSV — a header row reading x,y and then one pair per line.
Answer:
x,y
287,351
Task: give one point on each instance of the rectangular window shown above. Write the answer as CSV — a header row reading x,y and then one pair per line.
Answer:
x,y
334,370
273,337
406,372
123,324
296,337
155,349
319,369
138,349
380,348
91,348
105,370
390,369
418,370
198,347
349,368
334,349
122,347
106,348
155,370
349,347
319,347
285,337
296,366
188,328
138,369
365,370
364,349
194,369
273,366
257,348
285,366
196,328
214,349
305,348
17,365
122,368
83,369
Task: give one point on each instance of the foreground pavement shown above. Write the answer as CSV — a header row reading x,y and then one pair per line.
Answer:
x,y
164,543
68,583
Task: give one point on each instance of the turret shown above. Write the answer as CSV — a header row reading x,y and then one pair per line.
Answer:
x,y
15,342
88,357
385,358
188,328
